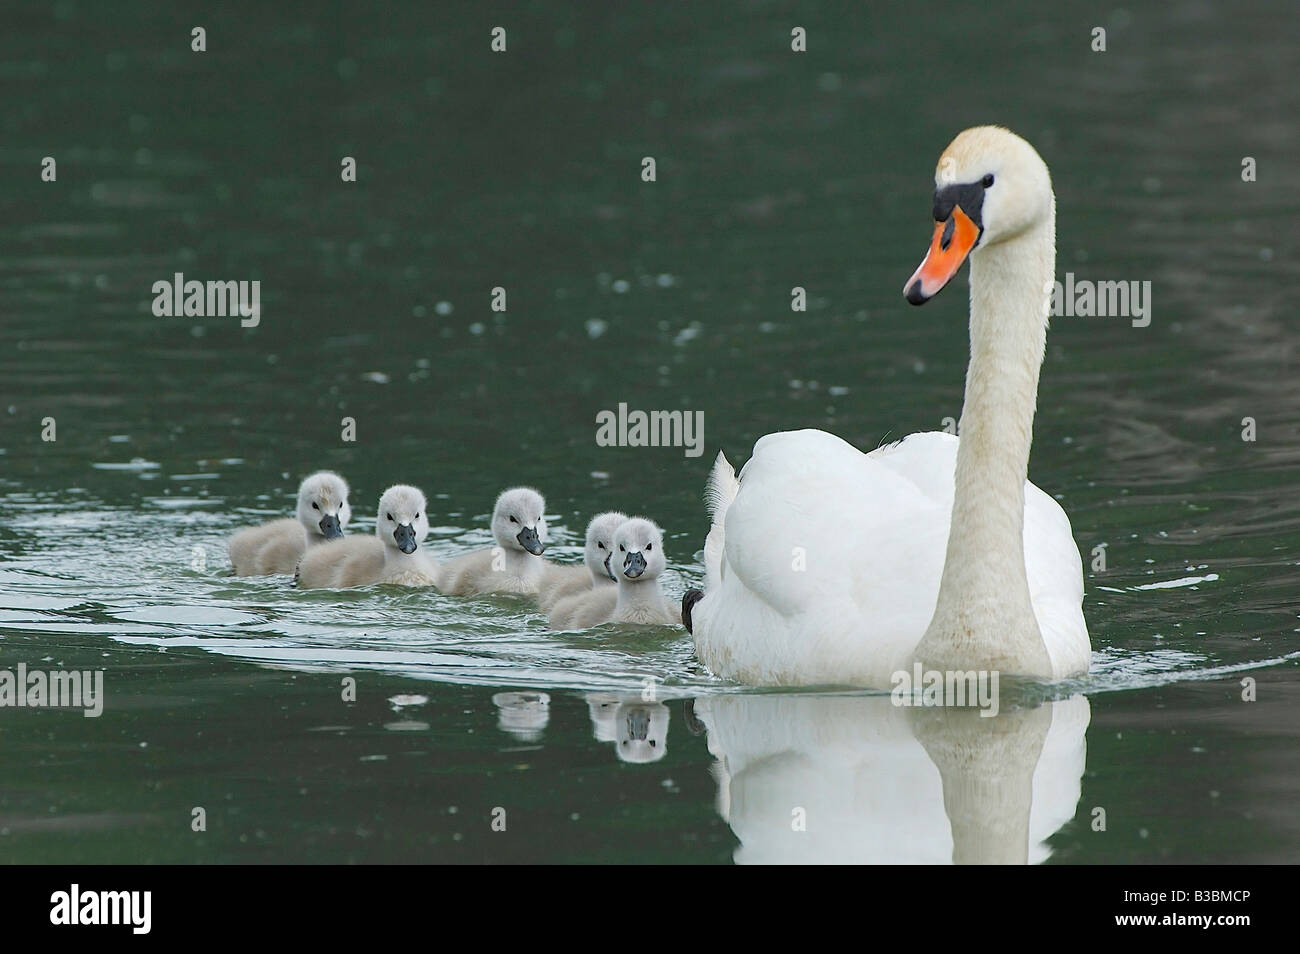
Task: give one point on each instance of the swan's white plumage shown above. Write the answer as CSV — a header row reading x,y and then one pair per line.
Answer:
x,y
834,566
720,491
871,531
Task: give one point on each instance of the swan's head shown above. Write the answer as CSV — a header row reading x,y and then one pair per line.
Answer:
x,y
990,186
638,551
600,543
323,504
403,520
519,520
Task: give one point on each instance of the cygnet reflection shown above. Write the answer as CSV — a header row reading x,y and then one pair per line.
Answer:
x,y
523,715
638,729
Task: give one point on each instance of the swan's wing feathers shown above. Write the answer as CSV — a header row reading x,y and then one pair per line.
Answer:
x,y
802,528
1051,555
926,460
719,492
721,488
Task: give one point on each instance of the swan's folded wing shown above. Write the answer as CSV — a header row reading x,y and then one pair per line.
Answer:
x,y
926,460
812,520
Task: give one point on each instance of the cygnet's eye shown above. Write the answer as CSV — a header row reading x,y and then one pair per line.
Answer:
x,y
599,544
621,549
390,516
417,516
987,180
513,520
649,547
315,507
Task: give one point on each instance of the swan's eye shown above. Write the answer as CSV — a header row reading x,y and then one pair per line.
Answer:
x,y
987,180
621,549
390,516
417,516
315,507
601,545
513,520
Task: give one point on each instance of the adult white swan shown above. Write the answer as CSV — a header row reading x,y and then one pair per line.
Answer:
x,y
825,565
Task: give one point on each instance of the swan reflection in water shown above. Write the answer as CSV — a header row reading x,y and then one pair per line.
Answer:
x,y
857,779
638,729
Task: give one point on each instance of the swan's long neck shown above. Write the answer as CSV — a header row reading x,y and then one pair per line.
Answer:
x,y
984,618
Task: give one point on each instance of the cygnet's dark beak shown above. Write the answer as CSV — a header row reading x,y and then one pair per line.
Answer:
x,y
638,721
633,566
404,537
329,527
528,540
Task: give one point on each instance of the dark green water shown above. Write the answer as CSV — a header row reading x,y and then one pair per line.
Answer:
x,y
522,170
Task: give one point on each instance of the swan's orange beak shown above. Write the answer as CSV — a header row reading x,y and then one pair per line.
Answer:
x,y
952,242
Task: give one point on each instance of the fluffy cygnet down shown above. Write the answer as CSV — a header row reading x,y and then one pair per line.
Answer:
x,y
515,564
637,561
392,555
276,547
562,581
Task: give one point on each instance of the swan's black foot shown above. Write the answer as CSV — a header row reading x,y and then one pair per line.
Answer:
x,y
693,723
689,599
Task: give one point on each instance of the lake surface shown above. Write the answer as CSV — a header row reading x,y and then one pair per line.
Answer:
x,y
523,170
